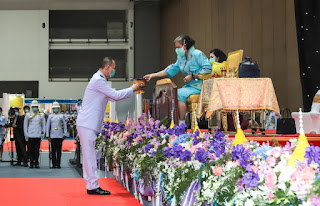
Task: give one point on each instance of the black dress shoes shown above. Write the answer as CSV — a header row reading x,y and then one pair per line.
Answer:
x,y
31,166
25,164
98,191
17,164
37,166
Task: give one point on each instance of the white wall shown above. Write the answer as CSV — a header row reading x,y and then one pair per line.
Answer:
x,y
24,54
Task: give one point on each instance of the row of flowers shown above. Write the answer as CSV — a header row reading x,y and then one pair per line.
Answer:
x,y
181,168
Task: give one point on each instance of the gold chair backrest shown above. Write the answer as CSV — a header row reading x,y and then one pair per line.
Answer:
x,y
234,59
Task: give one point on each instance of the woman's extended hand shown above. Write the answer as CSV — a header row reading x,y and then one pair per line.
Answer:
x,y
187,79
149,76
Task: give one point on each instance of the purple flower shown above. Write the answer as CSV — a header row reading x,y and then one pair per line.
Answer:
x,y
251,179
313,153
153,153
147,148
170,131
240,184
201,155
176,151
219,143
167,152
241,154
195,141
186,155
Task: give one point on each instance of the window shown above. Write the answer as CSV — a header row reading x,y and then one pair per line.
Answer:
x,y
78,41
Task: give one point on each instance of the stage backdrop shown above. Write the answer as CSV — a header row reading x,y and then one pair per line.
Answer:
x,y
264,29
308,34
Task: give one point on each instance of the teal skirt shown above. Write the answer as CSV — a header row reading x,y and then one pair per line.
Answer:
x,y
186,91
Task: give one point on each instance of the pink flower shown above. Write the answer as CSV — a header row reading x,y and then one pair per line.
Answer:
x,y
306,174
172,137
164,141
276,153
255,169
271,161
156,145
217,170
271,179
137,139
236,164
170,145
271,195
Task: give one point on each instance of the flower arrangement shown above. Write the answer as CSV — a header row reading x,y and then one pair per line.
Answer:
x,y
206,169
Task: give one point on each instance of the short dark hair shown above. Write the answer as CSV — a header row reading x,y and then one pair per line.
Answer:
x,y
106,61
185,40
16,109
25,107
0,109
220,54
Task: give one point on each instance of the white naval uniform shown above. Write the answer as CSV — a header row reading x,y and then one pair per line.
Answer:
x,y
56,126
3,121
90,119
34,130
36,127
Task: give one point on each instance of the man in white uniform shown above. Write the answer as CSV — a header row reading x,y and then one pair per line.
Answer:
x,y
90,119
34,130
56,132
3,121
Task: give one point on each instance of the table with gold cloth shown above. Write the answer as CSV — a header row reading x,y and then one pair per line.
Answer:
x,y
231,94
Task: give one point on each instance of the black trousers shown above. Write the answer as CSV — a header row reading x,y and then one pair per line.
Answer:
x,y
34,147
56,144
20,143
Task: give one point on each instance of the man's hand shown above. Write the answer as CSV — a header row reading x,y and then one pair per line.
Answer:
x,y
137,86
149,76
187,79
14,125
64,137
49,139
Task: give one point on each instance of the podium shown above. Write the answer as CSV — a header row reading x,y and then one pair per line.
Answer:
x,y
165,100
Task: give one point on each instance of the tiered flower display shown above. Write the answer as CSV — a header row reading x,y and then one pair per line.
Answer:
x,y
181,168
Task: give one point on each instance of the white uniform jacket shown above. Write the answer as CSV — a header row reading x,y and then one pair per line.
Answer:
x,y
95,101
56,126
3,121
34,125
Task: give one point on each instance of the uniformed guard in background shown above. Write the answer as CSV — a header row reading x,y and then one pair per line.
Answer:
x,y
90,119
19,139
3,121
56,132
34,131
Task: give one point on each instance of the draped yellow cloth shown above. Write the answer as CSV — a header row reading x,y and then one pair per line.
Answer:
x,y
243,94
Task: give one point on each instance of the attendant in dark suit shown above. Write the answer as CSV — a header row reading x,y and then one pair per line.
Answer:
x,y
19,138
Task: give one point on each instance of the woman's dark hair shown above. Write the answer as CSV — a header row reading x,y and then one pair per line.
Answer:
x,y
185,40
218,53
0,109
25,107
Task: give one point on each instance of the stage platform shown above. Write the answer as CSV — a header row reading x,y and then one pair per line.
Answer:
x,y
271,136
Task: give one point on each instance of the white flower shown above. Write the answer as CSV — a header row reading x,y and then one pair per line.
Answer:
x,y
285,174
249,202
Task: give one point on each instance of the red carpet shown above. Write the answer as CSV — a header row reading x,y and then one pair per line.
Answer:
x,y
67,145
61,192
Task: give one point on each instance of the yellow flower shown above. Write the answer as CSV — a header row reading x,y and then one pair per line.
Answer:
x,y
40,122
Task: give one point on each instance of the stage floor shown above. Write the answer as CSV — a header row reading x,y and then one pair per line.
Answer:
x,y
271,136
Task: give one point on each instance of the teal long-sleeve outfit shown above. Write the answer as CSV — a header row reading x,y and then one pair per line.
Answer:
x,y
195,62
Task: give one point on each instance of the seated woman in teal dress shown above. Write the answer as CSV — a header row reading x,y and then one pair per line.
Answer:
x,y
190,61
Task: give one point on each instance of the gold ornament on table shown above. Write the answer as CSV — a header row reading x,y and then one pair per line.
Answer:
x,y
300,150
239,138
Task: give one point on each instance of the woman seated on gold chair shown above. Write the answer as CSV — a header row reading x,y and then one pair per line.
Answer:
x,y
190,61
218,60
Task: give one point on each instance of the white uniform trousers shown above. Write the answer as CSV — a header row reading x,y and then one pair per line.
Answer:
x,y
89,164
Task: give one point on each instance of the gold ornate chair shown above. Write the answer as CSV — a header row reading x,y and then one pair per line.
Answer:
x,y
192,101
234,59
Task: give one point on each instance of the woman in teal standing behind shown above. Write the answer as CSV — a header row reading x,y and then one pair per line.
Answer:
x,y
190,62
